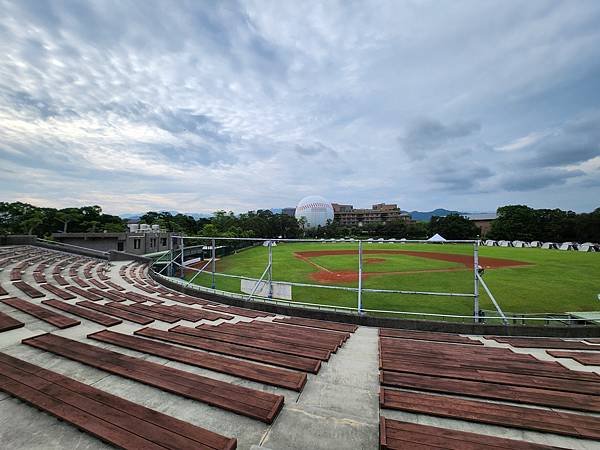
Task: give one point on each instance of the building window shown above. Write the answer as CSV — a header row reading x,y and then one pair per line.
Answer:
x,y
136,243
120,246
163,242
152,242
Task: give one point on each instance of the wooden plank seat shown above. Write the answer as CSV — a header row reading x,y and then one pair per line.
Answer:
x,y
60,279
114,285
314,323
557,384
116,312
3,291
543,420
8,323
110,294
98,284
231,349
65,295
139,298
144,310
252,403
494,391
41,313
85,294
39,277
239,311
333,338
28,290
89,314
427,336
239,329
274,376
192,314
585,358
394,435
522,342
15,274
110,418
81,282
280,347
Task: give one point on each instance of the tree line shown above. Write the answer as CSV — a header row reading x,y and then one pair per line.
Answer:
x,y
514,222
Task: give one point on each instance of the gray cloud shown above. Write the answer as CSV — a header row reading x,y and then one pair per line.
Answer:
x,y
426,134
139,105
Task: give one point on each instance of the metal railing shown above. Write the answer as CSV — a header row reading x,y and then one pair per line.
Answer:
x,y
175,262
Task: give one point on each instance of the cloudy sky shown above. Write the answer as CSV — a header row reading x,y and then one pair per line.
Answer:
x,y
197,106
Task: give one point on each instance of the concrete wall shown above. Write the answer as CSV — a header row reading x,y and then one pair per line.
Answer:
x,y
447,327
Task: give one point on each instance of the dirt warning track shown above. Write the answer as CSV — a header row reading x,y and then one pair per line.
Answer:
x,y
466,261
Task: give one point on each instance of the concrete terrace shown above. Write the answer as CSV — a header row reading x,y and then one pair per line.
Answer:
x,y
338,407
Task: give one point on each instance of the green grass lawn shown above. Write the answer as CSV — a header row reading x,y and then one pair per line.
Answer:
x,y
556,282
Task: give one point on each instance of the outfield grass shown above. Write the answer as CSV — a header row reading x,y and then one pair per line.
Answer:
x,y
555,282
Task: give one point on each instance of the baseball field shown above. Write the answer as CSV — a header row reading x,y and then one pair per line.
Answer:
x,y
523,280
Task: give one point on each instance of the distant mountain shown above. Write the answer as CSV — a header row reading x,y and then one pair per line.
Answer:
x,y
425,216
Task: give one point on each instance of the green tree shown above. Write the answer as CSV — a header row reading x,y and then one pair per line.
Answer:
x,y
453,226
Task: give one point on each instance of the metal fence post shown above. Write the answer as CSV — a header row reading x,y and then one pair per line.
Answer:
x,y
213,265
270,295
476,281
182,259
359,277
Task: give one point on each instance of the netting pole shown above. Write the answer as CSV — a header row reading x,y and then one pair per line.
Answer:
x,y
213,263
476,281
270,269
182,259
359,308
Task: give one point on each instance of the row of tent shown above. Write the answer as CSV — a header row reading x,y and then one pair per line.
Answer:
x,y
565,246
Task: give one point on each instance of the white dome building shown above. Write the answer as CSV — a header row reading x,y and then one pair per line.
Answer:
x,y
316,211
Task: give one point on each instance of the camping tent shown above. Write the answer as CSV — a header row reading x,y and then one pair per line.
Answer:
x,y
490,243
535,244
436,238
266,243
587,247
505,244
568,246
520,244
549,245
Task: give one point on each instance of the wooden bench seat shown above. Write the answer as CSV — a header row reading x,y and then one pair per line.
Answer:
x,y
110,418
65,295
279,347
98,284
60,279
394,435
115,312
8,323
110,294
495,391
522,342
114,285
585,358
81,282
252,403
427,336
314,323
144,310
254,354
41,313
28,290
246,332
191,314
3,291
89,314
543,420
256,372
85,294
335,338
239,311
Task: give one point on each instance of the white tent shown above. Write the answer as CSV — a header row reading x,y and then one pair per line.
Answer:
x,y
273,243
505,244
490,243
436,238
549,245
568,246
520,244
535,244
587,247
380,240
